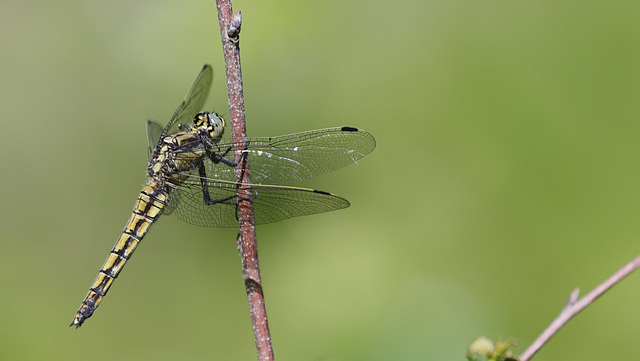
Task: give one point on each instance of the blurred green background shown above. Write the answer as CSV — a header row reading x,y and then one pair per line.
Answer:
x,y
506,174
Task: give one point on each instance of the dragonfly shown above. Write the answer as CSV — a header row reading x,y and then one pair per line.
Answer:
x,y
191,173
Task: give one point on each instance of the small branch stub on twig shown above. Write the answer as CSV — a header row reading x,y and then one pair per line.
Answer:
x,y
234,27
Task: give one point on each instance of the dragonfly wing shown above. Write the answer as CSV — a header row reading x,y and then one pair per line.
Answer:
x,y
154,131
188,204
276,203
295,157
270,203
193,101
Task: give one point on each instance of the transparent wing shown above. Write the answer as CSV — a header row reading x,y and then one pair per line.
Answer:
x,y
193,101
295,157
154,131
270,203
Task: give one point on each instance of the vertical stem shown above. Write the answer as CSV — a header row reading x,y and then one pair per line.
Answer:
x,y
247,244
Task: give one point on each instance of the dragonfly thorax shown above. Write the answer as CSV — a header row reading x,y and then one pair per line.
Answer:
x,y
176,154
209,125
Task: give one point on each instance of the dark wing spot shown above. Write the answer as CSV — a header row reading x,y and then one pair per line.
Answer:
x,y
349,129
321,192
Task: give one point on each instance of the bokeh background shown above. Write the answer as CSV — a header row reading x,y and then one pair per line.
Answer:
x,y
506,174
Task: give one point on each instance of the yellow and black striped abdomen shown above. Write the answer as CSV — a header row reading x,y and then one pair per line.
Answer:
x,y
149,206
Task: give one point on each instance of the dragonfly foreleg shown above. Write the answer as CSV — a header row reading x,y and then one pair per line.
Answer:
x,y
216,157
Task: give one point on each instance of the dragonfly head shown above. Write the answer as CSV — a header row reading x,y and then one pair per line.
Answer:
x,y
209,123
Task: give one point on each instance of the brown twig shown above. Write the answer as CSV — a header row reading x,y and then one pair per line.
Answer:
x,y
575,305
230,24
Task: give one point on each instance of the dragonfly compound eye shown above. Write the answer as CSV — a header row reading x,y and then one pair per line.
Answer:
x,y
216,125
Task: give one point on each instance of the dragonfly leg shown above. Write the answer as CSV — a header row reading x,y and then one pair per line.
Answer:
x,y
217,158
205,187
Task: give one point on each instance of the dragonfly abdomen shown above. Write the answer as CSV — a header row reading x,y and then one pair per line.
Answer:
x,y
149,206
